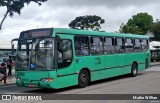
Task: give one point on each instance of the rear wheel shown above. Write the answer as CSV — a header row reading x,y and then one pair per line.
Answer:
x,y
83,79
134,69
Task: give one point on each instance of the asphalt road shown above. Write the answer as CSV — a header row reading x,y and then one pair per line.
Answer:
x,y
146,82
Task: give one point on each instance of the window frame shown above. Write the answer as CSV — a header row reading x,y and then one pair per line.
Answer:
x,y
62,58
100,37
123,44
140,50
147,41
89,53
113,44
132,41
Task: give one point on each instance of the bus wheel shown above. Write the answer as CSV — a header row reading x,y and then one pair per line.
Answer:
x,y
83,79
134,70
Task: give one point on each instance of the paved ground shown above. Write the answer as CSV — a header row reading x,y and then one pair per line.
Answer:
x,y
10,80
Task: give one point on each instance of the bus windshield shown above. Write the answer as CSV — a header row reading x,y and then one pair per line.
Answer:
x,y
35,54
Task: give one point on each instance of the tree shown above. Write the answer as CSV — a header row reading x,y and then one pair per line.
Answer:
x,y
138,24
155,28
92,22
15,6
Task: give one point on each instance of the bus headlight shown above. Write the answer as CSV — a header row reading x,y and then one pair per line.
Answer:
x,y
18,78
47,79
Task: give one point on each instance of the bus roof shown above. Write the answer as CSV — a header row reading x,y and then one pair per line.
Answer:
x,y
90,32
96,33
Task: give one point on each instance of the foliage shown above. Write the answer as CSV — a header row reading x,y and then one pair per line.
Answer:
x,y
138,24
155,28
15,6
92,22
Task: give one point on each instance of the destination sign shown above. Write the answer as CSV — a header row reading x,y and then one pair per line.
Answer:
x,y
36,33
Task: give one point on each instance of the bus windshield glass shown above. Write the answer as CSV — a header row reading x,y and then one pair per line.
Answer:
x,y
35,54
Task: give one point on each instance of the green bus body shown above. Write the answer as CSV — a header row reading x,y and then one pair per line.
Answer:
x,y
99,66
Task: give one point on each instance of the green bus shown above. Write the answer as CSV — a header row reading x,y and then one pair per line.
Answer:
x,y
62,57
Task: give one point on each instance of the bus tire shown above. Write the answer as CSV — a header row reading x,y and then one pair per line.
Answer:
x,y
83,78
134,69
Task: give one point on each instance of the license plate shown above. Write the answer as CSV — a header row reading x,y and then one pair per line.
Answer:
x,y
31,85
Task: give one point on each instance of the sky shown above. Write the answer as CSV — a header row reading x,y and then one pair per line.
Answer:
x,y
59,13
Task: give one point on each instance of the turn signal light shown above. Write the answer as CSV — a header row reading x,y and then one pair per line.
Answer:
x,y
50,79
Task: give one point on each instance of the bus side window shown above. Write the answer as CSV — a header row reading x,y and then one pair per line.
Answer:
x,y
129,45
137,45
96,45
144,45
109,45
65,54
81,45
120,47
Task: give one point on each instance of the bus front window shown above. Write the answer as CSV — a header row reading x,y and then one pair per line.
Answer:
x,y
41,55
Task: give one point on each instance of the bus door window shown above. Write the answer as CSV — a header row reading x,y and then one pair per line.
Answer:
x,y
96,45
34,51
65,53
48,44
23,55
81,46
137,45
109,45
120,47
129,45
144,45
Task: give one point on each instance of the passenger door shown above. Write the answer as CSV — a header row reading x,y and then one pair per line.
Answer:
x,y
65,62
